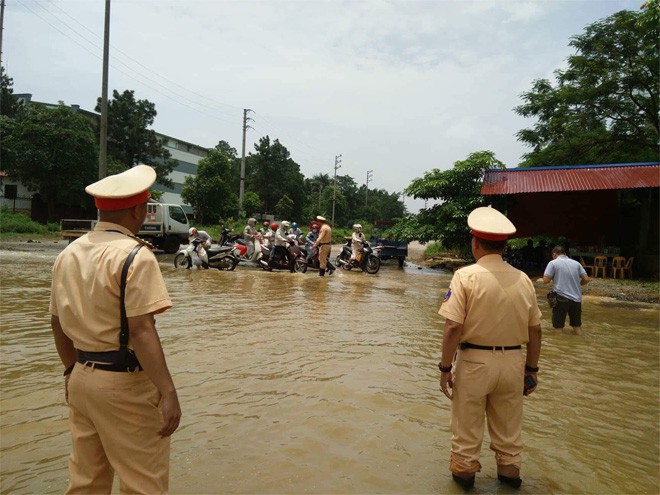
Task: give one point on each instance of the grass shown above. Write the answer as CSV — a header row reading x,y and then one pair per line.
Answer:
x,y
12,224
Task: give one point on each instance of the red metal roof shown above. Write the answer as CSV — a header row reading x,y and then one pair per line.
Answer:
x,y
573,178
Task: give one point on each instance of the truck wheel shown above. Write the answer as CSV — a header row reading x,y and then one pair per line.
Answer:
x,y
171,244
401,260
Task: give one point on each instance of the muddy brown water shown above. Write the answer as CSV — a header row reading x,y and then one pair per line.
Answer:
x,y
294,384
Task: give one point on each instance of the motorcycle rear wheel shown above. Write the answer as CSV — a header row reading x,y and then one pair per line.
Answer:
x,y
227,263
373,264
300,266
182,261
341,262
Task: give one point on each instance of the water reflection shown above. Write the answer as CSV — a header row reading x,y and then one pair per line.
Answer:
x,y
293,383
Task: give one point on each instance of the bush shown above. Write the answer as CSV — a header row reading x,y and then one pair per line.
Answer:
x,y
19,223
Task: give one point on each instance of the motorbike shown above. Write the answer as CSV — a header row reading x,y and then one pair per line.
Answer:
x,y
296,261
240,249
314,261
195,255
367,258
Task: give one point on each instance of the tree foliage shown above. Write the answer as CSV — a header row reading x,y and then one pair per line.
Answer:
x,y
209,192
130,142
458,189
9,106
271,173
51,151
604,106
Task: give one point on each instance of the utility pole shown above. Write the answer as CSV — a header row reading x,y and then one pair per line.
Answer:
x,y
242,187
103,138
334,189
2,25
370,174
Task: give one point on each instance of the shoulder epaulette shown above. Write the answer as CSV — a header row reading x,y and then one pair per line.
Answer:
x,y
143,242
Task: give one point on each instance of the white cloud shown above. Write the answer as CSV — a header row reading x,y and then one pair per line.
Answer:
x,y
395,86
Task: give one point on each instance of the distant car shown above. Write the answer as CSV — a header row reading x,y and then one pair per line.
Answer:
x,y
389,249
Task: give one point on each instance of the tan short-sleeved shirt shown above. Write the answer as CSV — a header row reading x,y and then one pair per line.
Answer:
x,y
85,287
325,234
495,303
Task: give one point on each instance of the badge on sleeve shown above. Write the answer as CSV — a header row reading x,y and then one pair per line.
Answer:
x,y
447,296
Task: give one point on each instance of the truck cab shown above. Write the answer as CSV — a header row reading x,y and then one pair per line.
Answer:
x,y
165,226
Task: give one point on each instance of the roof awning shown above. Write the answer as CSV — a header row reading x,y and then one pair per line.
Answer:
x,y
571,178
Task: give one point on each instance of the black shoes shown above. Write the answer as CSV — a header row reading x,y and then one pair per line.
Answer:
x,y
512,482
321,272
465,483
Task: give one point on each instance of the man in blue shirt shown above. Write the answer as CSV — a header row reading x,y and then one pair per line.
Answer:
x,y
568,277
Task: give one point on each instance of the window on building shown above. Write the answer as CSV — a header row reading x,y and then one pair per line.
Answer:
x,y
11,191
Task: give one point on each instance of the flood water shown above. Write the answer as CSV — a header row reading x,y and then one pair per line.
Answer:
x,y
290,383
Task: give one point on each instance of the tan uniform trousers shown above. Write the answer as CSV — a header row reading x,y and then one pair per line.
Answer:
x,y
115,419
491,383
324,254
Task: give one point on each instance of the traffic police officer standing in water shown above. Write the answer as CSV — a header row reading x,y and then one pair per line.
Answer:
x,y
490,310
123,406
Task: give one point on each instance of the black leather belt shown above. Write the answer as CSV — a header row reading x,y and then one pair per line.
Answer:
x,y
467,345
109,361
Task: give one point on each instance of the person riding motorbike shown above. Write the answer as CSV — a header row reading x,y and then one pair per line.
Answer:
x,y
357,239
312,235
281,242
249,236
295,230
265,228
269,234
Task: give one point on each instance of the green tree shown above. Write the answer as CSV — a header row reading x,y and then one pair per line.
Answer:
x,y
271,173
252,203
51,151
314,188
9,107
604,105
129,140
459,190
209,191
284,207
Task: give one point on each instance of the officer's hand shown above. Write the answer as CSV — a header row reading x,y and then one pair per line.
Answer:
x,y
171,410
528,390
447,385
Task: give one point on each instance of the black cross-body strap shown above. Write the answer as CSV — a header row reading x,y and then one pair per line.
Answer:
x,y
123,335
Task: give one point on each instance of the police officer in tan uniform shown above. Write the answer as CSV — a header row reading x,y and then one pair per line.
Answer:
x,y
324,245
490,310
123,405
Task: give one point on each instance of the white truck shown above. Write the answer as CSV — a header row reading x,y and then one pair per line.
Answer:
x,y
165,226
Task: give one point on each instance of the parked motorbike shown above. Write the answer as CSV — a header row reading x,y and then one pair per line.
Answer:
x,y
296,261
367,258
195,255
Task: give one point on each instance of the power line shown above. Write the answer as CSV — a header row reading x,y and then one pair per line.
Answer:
x,y
206,108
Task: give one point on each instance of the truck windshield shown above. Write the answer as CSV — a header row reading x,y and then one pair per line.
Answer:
x,y
177,213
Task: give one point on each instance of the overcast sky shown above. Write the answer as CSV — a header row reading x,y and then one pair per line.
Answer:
x,y
397,87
